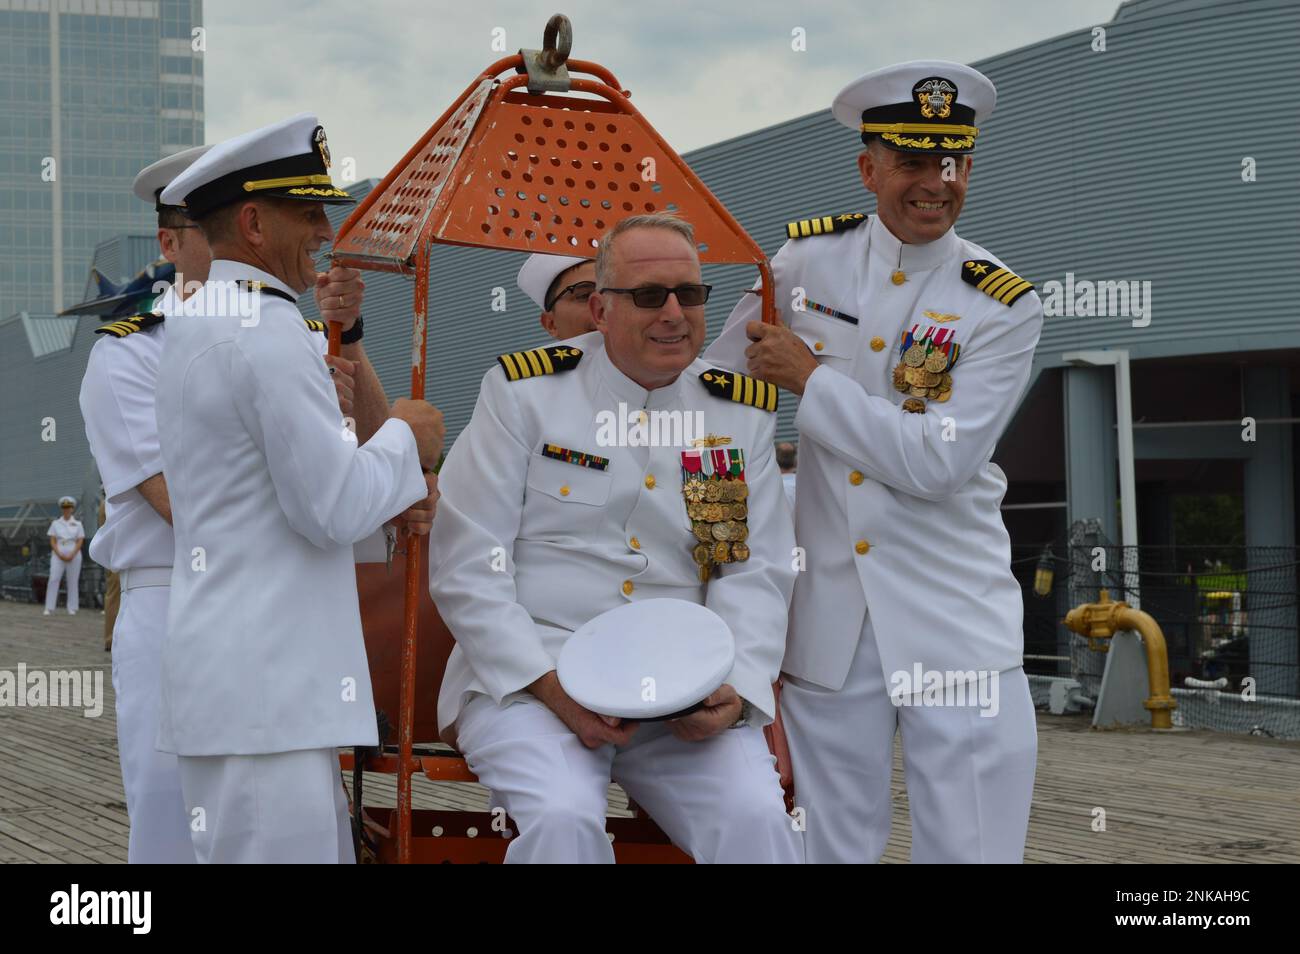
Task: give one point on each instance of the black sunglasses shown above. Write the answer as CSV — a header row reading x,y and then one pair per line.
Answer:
x,y
654,296
580,291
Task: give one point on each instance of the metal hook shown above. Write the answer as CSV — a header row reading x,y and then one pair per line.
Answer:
x,y
557,26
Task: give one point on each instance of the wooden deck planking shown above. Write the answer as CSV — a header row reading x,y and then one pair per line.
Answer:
x,y
1184,796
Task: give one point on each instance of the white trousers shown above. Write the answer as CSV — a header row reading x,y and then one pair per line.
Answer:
x,y
969,777
281,808
160,830
719,800
57,570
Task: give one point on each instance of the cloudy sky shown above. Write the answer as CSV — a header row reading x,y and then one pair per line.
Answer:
x,y
378,73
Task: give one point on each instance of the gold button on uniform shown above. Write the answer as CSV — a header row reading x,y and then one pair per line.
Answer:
x,y
855,478
649,481
564,491
877,343
636,544
819,345
627,587
862,546
898,277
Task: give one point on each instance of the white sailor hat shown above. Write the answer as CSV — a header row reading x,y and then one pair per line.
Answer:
x,y
540,272
286,160
66,501
925,106
152,179
647,660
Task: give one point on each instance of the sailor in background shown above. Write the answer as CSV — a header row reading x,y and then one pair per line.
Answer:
x,y
560,285
910,348
552,516
66,539
264,671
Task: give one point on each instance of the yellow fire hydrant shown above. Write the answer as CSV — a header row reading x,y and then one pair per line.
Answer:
x,y
1101,620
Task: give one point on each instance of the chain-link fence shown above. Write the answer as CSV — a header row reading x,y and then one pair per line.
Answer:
x,y
1229,616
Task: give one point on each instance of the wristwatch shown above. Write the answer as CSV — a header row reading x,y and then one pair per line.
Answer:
x,y
745,711
353,334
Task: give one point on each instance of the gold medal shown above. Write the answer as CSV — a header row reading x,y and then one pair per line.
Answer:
x,y
701,555
701,530
693,490
717,511
913,406
943,396
918,392
937,361
721,531
721,552
900,377
739,552
914,356
737,532
742,490
739,511
713,491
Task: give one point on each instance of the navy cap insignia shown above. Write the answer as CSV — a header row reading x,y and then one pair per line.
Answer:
x,y
322,146
935,95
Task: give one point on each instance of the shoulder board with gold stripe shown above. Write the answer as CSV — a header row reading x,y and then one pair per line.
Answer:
x,y
128,326
740,388
266,289
539,361
824,224
315,324
994,280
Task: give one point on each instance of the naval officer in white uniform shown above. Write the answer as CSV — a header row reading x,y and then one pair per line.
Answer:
x,y
550,517
910,348
66,535
264,669
117,404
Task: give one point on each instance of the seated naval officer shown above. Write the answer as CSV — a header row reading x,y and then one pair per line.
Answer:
x,y
548,519
560,285
910,348
264,670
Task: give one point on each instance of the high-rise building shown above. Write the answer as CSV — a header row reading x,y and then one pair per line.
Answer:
x,y
91,91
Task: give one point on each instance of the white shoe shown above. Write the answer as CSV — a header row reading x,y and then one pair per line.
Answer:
x,y
47,612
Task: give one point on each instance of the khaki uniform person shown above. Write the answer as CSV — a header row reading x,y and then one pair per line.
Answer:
x,y
910,347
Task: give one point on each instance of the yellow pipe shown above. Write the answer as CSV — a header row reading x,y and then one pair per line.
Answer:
x,y
1101,620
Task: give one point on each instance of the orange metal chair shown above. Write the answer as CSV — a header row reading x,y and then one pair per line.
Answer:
x,y
517,162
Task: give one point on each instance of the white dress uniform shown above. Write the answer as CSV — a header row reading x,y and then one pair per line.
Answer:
x,y
542,526
117,404
66,533
264,669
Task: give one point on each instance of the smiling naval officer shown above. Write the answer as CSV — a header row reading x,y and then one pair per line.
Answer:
x,y
545,523
117,404
264,669
910,348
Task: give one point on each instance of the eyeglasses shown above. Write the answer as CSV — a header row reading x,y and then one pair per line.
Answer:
x,y
581,292
654,296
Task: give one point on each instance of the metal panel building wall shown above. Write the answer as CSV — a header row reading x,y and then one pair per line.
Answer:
x,y
33,392
1116,165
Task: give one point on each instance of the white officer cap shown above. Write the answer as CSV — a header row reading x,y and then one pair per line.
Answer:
x,y
152,179
650,659
924,106
65,500
540,271
287,160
